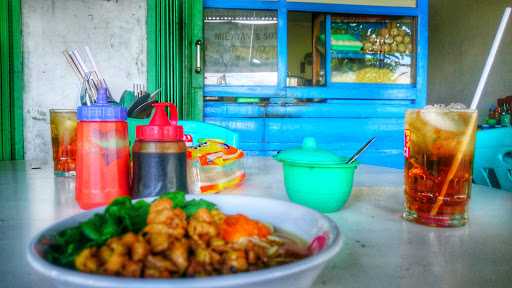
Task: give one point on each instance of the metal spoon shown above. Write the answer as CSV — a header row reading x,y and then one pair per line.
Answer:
x,y
361,150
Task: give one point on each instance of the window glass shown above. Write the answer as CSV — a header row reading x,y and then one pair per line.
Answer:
x,y
240,47
306,49
372,49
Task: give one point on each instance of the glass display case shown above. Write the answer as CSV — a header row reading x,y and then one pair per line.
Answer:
x,y
277,71
372,49
306,57
240,47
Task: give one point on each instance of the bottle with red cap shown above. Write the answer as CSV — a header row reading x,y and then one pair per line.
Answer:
x,y
103,155
159,155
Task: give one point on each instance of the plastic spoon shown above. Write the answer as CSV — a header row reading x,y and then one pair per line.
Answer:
x,y
143,106
361,150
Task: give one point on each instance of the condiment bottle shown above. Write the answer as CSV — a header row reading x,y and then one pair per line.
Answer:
x,y
103,155
159,155
505,115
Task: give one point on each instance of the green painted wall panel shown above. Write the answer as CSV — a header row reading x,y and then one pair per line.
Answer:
x,y
11,81
173,26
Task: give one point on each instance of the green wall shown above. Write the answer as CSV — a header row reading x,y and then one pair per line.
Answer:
x,y
11,81
461,34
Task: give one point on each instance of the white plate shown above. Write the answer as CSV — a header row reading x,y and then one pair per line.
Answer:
x,y
293,218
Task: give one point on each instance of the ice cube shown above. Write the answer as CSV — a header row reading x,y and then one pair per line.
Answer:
x,y
449,107
456,107
435,107
444,121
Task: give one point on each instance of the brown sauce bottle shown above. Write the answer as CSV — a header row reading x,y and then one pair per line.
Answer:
x,y
159,155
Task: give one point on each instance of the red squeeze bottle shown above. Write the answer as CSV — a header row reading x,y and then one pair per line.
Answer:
x,y
103,156
159,155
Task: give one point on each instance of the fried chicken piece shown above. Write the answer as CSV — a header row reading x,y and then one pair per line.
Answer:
x,y
155,273
196,269
207,257
218,244
235,261
160,263
217,216
163,215
203,214
164,223
139,249
105,253
160,211
128,239
132,269
114,256
115,263
86,261
201,227
136,244
117,246
158,242
178,253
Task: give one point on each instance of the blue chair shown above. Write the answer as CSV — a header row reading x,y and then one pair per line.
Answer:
x,y
492,164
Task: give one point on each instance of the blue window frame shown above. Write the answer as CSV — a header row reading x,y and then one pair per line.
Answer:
x,y
281,116
415,93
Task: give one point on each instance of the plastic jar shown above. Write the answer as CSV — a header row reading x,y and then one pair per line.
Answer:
x,y
103,155
159,155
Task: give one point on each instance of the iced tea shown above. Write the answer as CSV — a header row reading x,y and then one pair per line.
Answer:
x,y
439,145
63,131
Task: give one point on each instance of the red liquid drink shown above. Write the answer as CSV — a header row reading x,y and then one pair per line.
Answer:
x,y
103,155
439,148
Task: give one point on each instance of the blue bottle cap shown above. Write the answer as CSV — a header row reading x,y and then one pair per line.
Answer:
x,y
102,110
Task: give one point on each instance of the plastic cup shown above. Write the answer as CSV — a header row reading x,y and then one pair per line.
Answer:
x,y
63,132
439,147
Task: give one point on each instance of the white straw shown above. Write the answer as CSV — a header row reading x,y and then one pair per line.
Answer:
x,y
94,67
490,58
76,53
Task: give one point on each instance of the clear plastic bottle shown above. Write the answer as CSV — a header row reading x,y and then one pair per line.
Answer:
x,y
103,154
159,155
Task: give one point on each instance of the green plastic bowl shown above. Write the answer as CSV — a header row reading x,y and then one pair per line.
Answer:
x,y
317,178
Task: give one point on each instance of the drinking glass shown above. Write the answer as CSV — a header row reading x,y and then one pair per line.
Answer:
x,y
439,146
63,131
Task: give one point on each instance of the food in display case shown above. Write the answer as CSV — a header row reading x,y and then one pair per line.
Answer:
x,y
386,53
345,42
394,38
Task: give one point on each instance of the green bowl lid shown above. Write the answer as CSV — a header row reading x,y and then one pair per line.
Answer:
x,y
309,153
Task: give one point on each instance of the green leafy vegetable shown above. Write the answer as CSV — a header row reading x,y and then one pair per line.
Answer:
x,y
193,205
120,217
177,198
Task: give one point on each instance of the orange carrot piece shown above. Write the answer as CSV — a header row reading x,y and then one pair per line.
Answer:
x,y
236,227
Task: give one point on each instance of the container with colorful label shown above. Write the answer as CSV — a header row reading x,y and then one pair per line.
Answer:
x,y
214,166
103,155
159,155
